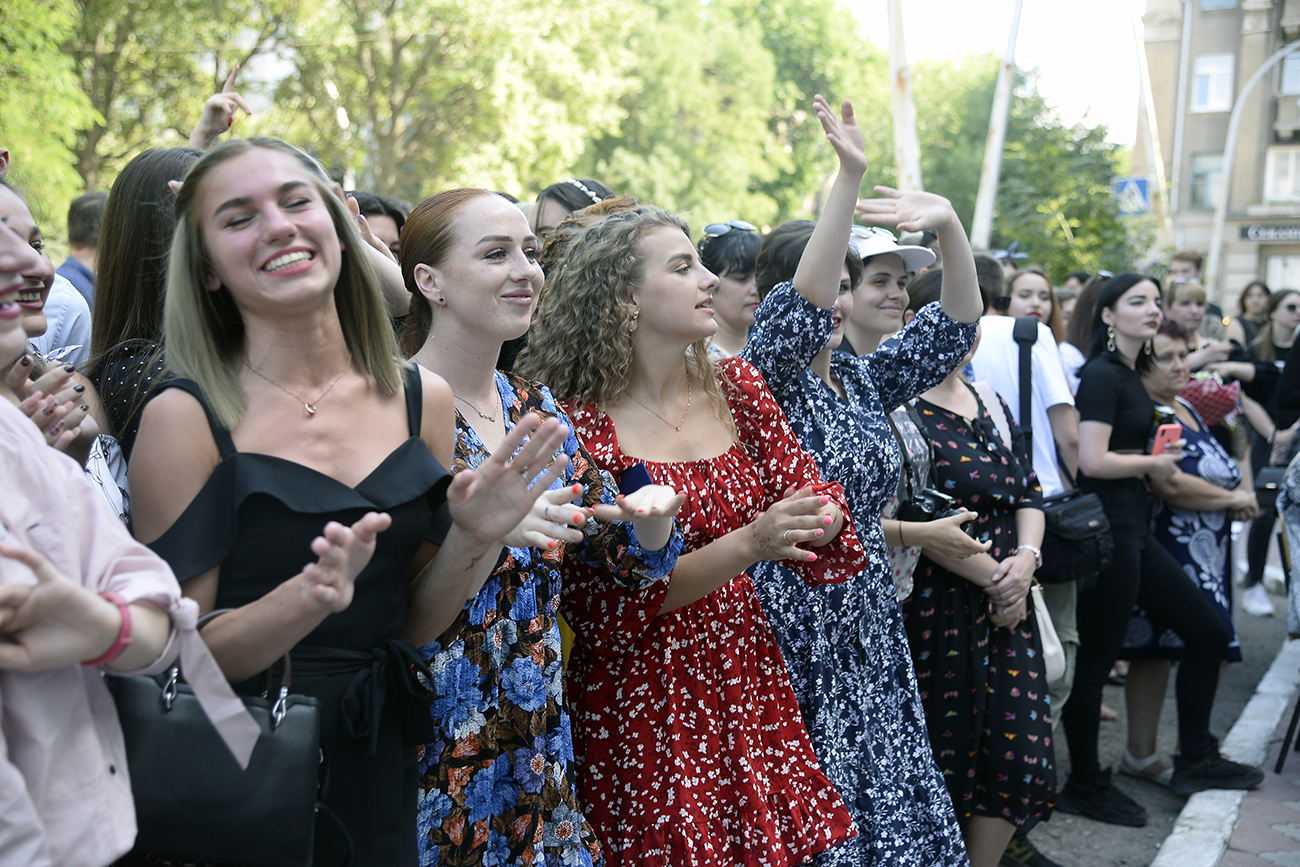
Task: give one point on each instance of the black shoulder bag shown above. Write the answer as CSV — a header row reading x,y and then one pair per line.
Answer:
x,y
1077,544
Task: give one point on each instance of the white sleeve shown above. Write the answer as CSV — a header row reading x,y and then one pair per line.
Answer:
x,y
67,338
1050,385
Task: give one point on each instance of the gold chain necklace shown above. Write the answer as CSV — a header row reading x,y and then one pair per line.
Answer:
x,y
678,427
310,406
481,413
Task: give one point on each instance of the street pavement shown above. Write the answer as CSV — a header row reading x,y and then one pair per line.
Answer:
x,y
1075,841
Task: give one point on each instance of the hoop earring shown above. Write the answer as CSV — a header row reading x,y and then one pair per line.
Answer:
x,y
632,324
1110,338
1148,346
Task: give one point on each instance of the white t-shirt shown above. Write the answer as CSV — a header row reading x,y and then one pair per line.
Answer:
x,y
67,338
997,361
1071,360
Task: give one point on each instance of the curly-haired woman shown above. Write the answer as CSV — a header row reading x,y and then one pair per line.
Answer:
x,y
686,729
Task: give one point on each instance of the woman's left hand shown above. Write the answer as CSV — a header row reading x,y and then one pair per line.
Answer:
x,y
913,211
489,501
553,519
1008,617
363,226
1012,579
647,501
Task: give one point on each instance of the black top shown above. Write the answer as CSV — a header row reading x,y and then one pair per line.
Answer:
x,y
1111,392
256,517
1267,373
125,377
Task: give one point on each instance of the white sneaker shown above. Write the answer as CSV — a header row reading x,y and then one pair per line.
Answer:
x,y
1275,580
1254,600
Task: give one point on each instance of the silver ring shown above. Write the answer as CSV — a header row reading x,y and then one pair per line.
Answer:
x,y
547,513
786,536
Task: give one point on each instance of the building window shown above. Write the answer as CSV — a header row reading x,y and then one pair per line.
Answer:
x,y
1206,180
1212,5
1282,175
1212,83
1282,271
1290,83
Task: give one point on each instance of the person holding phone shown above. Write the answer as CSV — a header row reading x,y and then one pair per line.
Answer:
x,y
1193,518
1116,415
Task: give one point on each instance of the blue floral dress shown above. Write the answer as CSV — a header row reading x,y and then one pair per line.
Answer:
x,y
1199,541
496,788
844,643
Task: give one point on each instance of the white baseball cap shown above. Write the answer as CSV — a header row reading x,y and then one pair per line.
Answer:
x,y
871,241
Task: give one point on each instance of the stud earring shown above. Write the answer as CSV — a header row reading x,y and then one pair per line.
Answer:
x,y
1149,346
632,323
1110,338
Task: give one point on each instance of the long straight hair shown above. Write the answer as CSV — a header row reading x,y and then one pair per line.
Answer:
x,y
204,331
1262,345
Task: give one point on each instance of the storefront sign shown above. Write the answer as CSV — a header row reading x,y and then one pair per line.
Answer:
x,y
1270,234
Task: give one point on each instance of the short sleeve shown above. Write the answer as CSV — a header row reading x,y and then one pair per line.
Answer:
x,y
1098,397
788,333
1050,385
920,356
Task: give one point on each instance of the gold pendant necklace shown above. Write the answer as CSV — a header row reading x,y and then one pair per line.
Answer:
x,y
481,413
310,406
678,426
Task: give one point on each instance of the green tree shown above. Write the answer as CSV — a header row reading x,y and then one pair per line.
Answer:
x,y
1054,193
146,74
412,96
41,105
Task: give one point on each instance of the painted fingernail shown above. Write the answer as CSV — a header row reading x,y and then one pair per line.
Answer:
x,y
84,408
821,533
551,544
812,557
826,520
825,499
577,489
56,429
78,388
69,367
33,400
49,409
26,361
578,517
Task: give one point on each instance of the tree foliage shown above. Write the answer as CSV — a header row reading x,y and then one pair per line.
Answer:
x,y
41,103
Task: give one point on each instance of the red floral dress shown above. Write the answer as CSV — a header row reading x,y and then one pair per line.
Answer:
x,y
689,746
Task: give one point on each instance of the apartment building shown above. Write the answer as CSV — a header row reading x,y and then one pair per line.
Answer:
x,y
1199,55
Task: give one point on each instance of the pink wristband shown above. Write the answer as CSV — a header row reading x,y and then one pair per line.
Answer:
x,y
123,636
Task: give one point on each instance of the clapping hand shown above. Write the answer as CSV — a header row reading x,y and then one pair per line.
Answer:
x,y
55,402
652,507
552,519
219,113
342,553
489,501
913,211
796,518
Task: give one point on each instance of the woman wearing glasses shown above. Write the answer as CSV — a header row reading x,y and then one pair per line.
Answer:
x,y
729,250
845,645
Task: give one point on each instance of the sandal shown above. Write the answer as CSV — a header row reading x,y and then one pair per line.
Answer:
x,y
1150,769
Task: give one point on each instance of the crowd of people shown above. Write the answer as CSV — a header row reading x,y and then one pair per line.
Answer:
x,y
622,544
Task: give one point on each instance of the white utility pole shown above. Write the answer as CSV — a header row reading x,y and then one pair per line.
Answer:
x,y
986,198
907,147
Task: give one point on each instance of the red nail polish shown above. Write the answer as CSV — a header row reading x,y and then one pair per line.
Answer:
x,y
578,517
551,544
577,489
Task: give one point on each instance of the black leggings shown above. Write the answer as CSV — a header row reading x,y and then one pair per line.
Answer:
x,y
1261,529
1143,572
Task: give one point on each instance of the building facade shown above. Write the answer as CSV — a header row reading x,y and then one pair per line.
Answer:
x,y
1199,55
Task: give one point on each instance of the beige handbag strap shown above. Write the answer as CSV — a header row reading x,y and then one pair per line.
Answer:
x,y
993,404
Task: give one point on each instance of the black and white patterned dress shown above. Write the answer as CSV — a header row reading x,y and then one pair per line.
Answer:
x,y
844,644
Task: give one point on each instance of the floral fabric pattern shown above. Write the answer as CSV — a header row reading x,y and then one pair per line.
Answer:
x,y
496,788
984,688
689,743
844,644
1199,541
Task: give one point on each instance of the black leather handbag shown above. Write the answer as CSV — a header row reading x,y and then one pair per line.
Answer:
x,y
193,802
1077,544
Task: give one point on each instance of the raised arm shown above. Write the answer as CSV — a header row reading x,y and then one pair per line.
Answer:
x,y
917,211
818,276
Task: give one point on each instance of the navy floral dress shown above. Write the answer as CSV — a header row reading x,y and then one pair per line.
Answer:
x,y
1199,541
496,788
844,643
984,687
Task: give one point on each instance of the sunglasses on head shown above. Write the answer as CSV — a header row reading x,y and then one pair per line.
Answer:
x,y
872,232
717,230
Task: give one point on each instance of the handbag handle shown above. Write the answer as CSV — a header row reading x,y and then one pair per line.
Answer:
x,y
281,706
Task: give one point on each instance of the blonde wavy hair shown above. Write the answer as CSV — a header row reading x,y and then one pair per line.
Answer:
x,y
203,331
579,344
